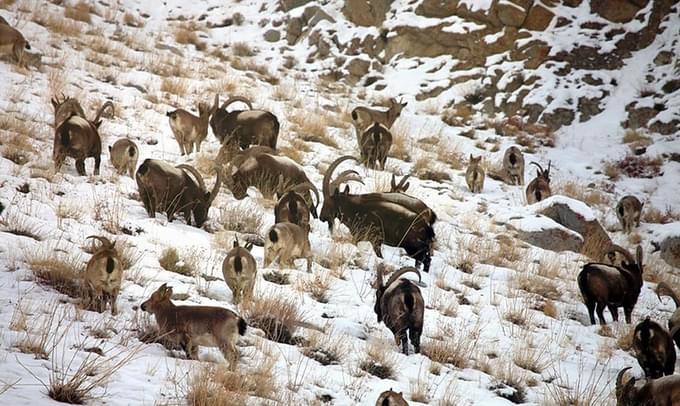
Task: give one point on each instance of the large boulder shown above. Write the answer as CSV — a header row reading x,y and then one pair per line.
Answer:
x,y
511,13
546,233
302,22
539,18
368,13
618,11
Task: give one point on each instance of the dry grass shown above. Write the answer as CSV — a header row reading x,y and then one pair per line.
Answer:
x,y
173,85
458,116
79,12
451,154
425,168
656,216
453,344
587,387
531,282
591,197
241,217
379,360
278,316
109,210
518,312
317,286
132,20
533,357
57,267
242,49
634,166
57,24
420,389
14,222
401,142
185,34
249,65
336,258
326,349
187,264
311,126
510,383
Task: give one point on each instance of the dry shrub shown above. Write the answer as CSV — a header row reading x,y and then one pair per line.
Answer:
x,y
108,209
57,267
587,387
451,155
531,282
242,49
187,264
326,349
424,169
132,20
14,222
278,316
186,34
453,343
656,216
242,217
532,357
128,253
336,258
317,286
249,65
401,142
43,332
420,389
510,383
636,139
311,126
178,86
379,360
634,166
591,197
518,312
79,12
55,23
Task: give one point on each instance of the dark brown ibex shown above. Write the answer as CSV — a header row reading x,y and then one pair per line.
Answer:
x,y
663,289
374,144
657,392
654,349
258,127
539,188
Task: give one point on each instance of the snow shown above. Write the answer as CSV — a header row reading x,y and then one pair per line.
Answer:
x,y
576,206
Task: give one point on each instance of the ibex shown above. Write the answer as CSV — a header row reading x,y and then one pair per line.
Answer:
x,y
192,326
395,219
257,126
628,211
287,242
164,188
68,106
663,289
231,150
124,154
362,116
539,188
513,166
103,276
190,130
474,176
654,349
239,270
271,174
292,207
604,285
12,42
391,398
400,187
374,144
656,392
400,305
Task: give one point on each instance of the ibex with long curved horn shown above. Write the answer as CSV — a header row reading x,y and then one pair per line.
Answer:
x,y
168,188
539,188
258,127
103,276
664,289
656,392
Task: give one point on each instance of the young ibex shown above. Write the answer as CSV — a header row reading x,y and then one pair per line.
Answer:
x,y
190,130
604,285
400,187
391,398
168,188
239,270
400,305
103,276
628,211
12,42
292,207
362,116
539,188
124,154
513,166
663,289
257,126
474,176
287,241
657,392
192,326
654,349
374,144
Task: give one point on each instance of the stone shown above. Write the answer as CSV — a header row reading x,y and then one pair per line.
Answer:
x,y
294,30
511,14
617,11
272,35
358,66
588,107
286,5
539,18
663,58
670,250
554,239
367,13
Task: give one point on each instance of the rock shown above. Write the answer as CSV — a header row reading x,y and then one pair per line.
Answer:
x,y
358,66
294,30
285,5
511,14
437,8
670,250
551,236
272,35
617,11
558,117
311,16
588,108
663,58
539,18
671,86
368,13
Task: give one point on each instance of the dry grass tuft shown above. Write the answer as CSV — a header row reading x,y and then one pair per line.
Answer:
x,y
242,217
453,343
57,24
379,360
132,20
401,142
56,267
317,286
173,85
656,216
424,169
79,12
591,197
186,34
109,210
326,349
587,387
14,222
634,166
451,155
510,383
186,265
276,315
312,126
242,49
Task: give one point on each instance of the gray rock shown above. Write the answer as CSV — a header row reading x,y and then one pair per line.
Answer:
x,y
553,239
272,35
358,67
670,250
663,58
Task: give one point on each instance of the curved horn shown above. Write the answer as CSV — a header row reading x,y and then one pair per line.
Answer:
x,y
106,243
622,251
329,172
400,272
621,387
194,172
548,171
216,188
665,289
235,99
346,176
304,187
106,105
402,181
540,168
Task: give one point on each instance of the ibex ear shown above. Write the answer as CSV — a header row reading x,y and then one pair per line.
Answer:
x,y
403,104
638,255
248,246
55,104
406,185
109,148
235,245
346,190
168,293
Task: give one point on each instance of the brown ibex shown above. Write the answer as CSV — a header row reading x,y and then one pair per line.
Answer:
x,y
474,176
170,189
12,42
628,211
363,116
609,286
539,188
399,304
374,144
656,392
654,349
663,289
192,326
103,276
69,106
124,154
190,130
239,270
258,127
391,398
513,166
292,207
287,242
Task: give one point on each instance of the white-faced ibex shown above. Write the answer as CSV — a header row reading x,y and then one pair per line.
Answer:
x,y
12,42
103,276
513,166
604,285
663,289
287,242
170,189
363,116
395,219
474,176
399,304
374,144
628,210
124,154
539,188
192,326
239,270
258,127
190,131
656,392
654,349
